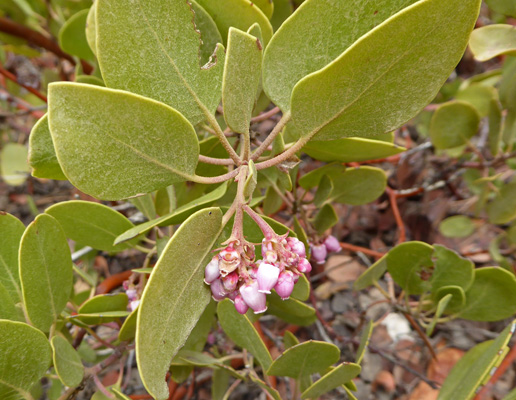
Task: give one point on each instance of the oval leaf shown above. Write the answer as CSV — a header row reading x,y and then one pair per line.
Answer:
x,y
72,36
492,296
42,155
305,359
333,379
67,362
45,270
13,164
241,331
358,93
91,224
451,269
26,356
371,274
453,124
351,150
493,40
242,74
12,230
317,33
154,147
458,226
161,46
292,311
357,186
101,307
174,298
503,207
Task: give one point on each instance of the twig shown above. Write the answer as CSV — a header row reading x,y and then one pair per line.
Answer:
x,y
269,139
13,78
34,37
396,211
266,115
351,247
216,161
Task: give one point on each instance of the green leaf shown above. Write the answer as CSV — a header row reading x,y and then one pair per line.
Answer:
x,y
90,80
453,124
175,217
8,309
154,148
305,359
45,270
502,209
289,340
145,204
479,96
312,178
128,330
174,298
357,186
251,180
72,36
441,307
42,155
67,362
165,200
26,356
241,14
242,74
317,33
451,269
292,310
220,384
358,93
13,164
351,150
476,365
492,296
100,308
333,379
90,30
274,394
457,301
173,53
364,341
506,7
410,266
371,274
301,289
492,41
282,10
91,224
324,190
325,219
458,226
267,7
241,331
12,230
210,35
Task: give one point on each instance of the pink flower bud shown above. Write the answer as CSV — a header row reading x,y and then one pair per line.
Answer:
x,y
332,244
240,305
304,266
254,299
267,277
230,282
297,246
285,284
217,290
271,257
232,295
319,253
212,271
131,294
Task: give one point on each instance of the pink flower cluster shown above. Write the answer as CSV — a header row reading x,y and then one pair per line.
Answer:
x,y
320,251
132,294
234,273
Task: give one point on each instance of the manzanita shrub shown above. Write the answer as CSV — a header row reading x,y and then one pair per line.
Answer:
x,y
165,123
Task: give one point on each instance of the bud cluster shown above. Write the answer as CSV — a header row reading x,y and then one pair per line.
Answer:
x,y
319,252
132,294
235,274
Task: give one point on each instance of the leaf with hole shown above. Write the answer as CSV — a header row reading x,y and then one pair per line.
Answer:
x,y
180,82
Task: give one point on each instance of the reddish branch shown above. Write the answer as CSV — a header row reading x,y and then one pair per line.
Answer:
x,y
13,78
356,249
396,211
38,39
